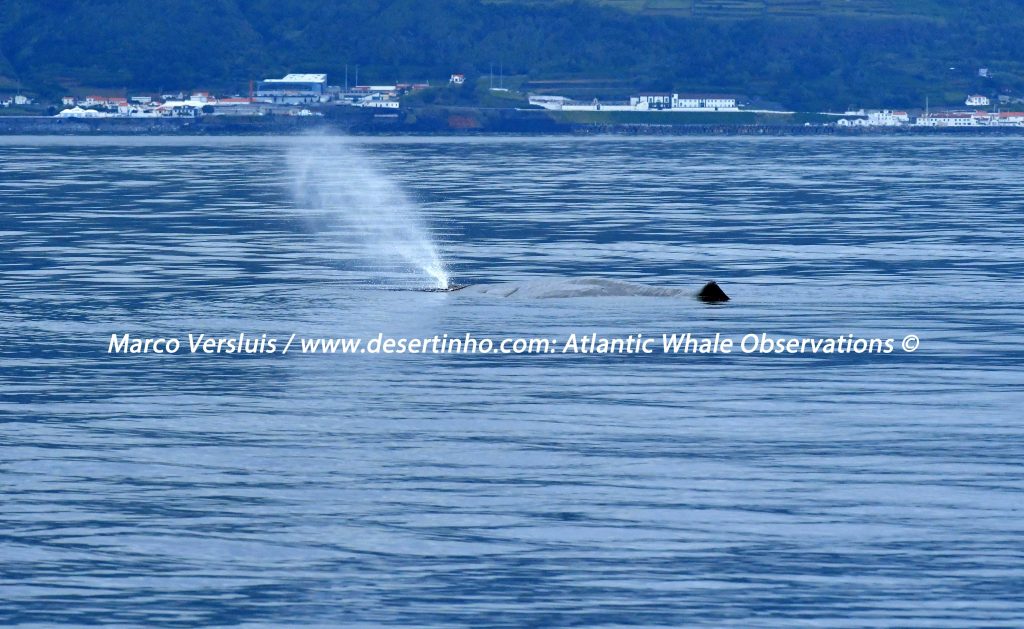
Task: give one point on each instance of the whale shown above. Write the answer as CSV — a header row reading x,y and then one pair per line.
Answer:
x,y
712,293
563,288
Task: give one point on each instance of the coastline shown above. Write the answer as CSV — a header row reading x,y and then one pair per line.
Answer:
x,y
454,122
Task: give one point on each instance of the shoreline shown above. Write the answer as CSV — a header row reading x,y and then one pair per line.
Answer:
x,y
450,123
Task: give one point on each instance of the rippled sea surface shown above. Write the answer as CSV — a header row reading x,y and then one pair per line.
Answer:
x,y
517,490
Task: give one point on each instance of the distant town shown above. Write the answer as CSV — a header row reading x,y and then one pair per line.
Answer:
x,y
307,95
673,102
291,95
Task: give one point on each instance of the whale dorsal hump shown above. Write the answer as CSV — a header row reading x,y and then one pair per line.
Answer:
x,y
712,293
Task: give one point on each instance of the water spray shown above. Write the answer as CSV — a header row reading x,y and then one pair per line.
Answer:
x,y
337,180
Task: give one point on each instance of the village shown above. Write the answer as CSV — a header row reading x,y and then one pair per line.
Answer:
x,y
675,102
291,95
308,94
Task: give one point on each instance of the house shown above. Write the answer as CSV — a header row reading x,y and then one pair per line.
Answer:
x,y
976,100
180,109
457,79
22,100
68,101
1010,119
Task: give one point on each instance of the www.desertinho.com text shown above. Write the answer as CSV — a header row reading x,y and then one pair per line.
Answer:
x,y
592,343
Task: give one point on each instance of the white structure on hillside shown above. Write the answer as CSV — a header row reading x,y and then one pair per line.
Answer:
x,y
976,100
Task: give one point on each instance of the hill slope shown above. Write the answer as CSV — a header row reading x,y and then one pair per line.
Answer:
x,y
807,54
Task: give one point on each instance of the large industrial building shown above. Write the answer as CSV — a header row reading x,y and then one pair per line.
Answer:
x,y
293,89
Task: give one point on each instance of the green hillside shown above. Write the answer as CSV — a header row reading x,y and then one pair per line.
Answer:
x,y
802,54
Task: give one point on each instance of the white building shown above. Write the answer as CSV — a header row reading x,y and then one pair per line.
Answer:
x,y
597,105
379,103
180,108
138,111
1010,119
22,100
68,101
948,120
293,89
706,102
457,79
548,102
683,102
653,100
78,112
886,118
976,100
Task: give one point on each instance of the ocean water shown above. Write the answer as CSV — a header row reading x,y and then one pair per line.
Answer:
x,y
748,490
